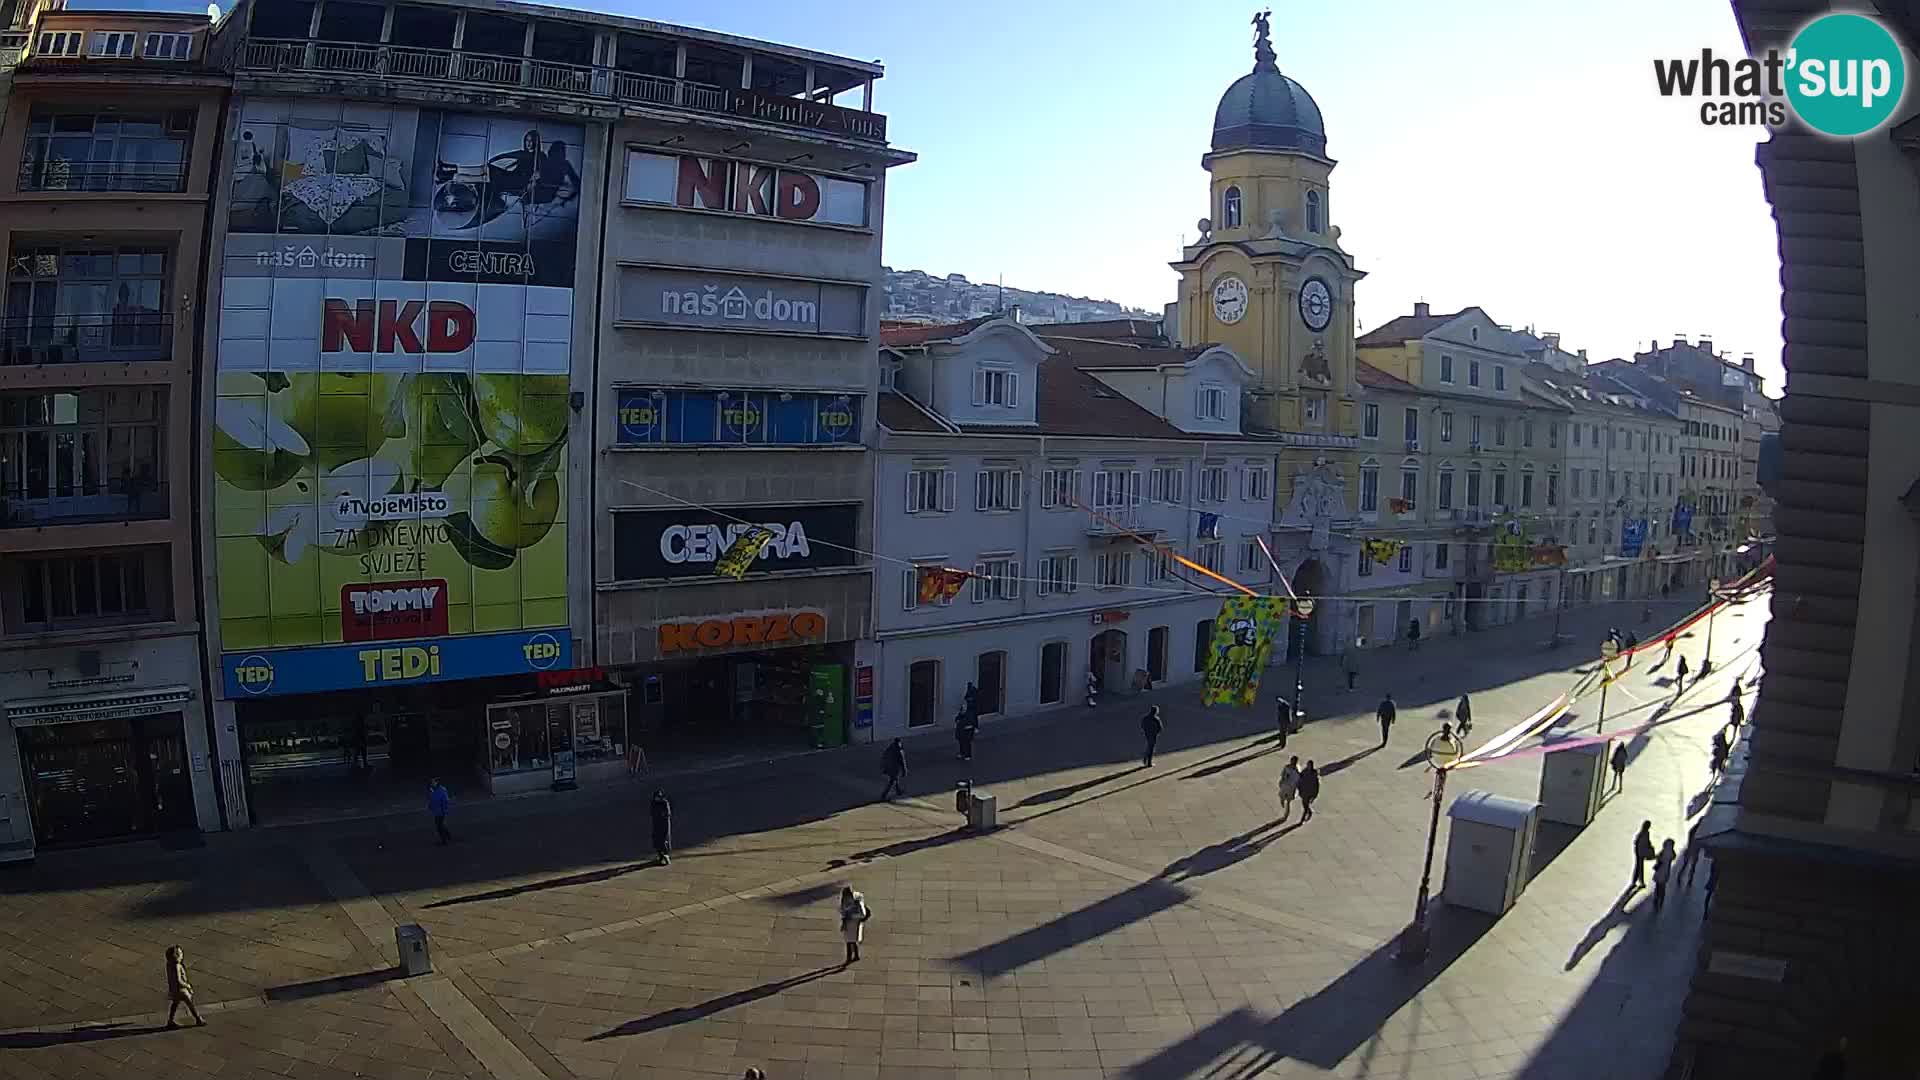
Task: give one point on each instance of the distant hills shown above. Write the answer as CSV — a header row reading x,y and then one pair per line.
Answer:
x,y
915,295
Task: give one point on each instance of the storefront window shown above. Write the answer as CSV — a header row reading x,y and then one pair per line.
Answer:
x,y
522,737
328,741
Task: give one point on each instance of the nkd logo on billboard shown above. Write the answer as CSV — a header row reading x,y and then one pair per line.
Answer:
x,y
388,326
687,542
744,187
1843,75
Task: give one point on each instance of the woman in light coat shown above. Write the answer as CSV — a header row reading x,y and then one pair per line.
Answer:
x,y
854,914
1289,787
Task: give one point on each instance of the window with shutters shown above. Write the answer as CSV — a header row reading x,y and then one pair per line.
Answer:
x,y
1369,488
1370,421
1113,569
996,386
1473,487
1444,497
996,577
996,489
1159,566
1167,484
1212,555
1116,489
1058,574
1212,403
1446,427
1060,488
929,490
1213,484
1256,483
1406,560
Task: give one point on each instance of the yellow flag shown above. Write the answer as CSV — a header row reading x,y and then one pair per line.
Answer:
x,y
735,561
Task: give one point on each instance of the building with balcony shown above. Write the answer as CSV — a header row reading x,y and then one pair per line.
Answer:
x,y
521,310
1036,466
1809,945
1712,495
110,121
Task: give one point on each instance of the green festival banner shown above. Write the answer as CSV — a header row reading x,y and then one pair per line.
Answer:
x,y
1242,641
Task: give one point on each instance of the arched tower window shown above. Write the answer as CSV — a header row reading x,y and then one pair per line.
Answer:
x,y
1313,212
1230,209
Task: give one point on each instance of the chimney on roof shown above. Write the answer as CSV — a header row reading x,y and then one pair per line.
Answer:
x,y
1583,355
1552,339
1421,310
1678,340
1746,362
1706,345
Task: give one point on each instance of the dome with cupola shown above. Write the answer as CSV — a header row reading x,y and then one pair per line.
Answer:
x,y
1265,110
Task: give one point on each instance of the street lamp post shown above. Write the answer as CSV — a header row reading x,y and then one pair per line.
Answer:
x,y
1608,650
1304,608
1713,591
1443,749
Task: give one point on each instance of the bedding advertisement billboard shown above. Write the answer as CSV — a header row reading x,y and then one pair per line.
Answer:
x,y
390,443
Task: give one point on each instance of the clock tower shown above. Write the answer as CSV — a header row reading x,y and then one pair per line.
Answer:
x,y
1268,277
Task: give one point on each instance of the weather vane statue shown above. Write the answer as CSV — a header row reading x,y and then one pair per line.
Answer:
x,y
1263,55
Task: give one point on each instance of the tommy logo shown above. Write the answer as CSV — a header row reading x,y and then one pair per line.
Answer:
x,y
393,610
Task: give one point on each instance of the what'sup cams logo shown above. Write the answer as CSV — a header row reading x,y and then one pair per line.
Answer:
x,y
1842,75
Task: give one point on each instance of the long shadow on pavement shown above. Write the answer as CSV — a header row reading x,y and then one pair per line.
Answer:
x,y
38,1040
338,984
1324,1029
590,877
1073,928
689,1013
1066,791
1624,1022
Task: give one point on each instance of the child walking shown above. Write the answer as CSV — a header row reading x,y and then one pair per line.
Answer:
x,y
179,990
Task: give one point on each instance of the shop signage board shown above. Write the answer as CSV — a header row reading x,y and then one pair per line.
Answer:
x,y
358,665
393,373
673,417
748,188
744,630
685,542
706,300
863,696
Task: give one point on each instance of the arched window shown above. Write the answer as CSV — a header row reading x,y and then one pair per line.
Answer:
x,y
1313,212
1230,209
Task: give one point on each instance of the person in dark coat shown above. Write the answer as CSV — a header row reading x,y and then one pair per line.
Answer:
x,y
1680,677
1283,718
1150,728
1463,712
1387,712
438,803
893,762
1717,763
1413,634
965,727
1309,791
1739,709
1619,763
662,827
971,700
1690,859
1643,853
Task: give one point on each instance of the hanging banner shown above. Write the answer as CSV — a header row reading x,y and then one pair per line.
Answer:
x,y
735,560
1242,641
1512,544
940,584
1381,552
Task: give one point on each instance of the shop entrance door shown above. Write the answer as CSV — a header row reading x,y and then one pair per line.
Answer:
x,y
923,693
1053,669
105,779
1157,654
992,683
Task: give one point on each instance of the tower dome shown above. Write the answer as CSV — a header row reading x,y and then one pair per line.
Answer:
x,y
1265,110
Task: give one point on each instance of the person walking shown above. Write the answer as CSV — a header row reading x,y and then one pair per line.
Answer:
x,y
438,803
1150,728
1717,761
893,763
1387,714
1680,678
1662,871
1631,643
971,699
1309,790
1643,853
1283,719
1690,861
1463,715
1619,763
179,989
662,828
1350,666
1739,709
854,914
1413,635
965,727
1289,786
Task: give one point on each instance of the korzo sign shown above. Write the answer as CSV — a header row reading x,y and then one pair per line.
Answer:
x,y
735,302
687,542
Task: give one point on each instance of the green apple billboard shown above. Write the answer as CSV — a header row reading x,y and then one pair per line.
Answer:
x,y
389,440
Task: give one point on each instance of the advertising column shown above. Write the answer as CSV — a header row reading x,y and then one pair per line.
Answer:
x,y
390,443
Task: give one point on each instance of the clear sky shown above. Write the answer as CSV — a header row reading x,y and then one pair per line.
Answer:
x,y
1512,154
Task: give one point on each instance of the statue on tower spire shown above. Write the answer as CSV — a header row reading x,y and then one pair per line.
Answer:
x,y
1263,55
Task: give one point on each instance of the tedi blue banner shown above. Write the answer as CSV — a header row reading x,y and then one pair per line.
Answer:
x,y
357,665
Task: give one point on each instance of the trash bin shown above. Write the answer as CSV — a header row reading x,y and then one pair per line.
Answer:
x,y
412,942
983,811
963,798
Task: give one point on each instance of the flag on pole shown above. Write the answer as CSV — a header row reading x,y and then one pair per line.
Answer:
x,y
736,559
939,584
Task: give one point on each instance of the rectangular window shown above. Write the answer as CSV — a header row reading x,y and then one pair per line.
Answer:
x,y
168,47
1213,484
1406,560
1576,434
1370,421
1212,555
59,43
1553,489
1365,565
1499,431
1499,376
1316,406
1410,488
1442,556
1612,481
1553,435
1412,426
1446,489
1593,430
930,490
1593,483
113,44
1159,566
1500,489
1446,427
75,589
1257,483
1473,487
996,489
1059,488
1526,489
1252,559
1167,484
1113,569
996,386
1116,489
910,583
1213,403
1058,574
996,577
1473,372
1526,433
1369,490
1446,368
82,455
1473,431
87,305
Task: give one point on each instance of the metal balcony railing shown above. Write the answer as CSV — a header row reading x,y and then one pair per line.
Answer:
x,y
122,498
1113,520
59,174
548,76
113,337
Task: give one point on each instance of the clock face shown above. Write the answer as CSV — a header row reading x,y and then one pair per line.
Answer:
x,y
1229,299
1316,304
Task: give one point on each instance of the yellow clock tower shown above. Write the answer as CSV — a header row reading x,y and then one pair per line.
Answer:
x,y
1268,277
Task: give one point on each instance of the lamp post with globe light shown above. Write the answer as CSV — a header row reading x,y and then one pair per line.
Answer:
x,y
1609,650
1444,748
1713,597
1304,609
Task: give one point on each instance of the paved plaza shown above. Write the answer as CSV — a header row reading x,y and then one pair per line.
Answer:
x,y
1124,921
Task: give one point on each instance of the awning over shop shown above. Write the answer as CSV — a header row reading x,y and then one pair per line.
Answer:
x,y
82,708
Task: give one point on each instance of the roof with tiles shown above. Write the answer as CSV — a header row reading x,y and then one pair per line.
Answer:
x,y
1369,376
1407,328
907,335
1085,353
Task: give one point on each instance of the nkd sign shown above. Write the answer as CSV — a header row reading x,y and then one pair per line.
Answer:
x,y
744,187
